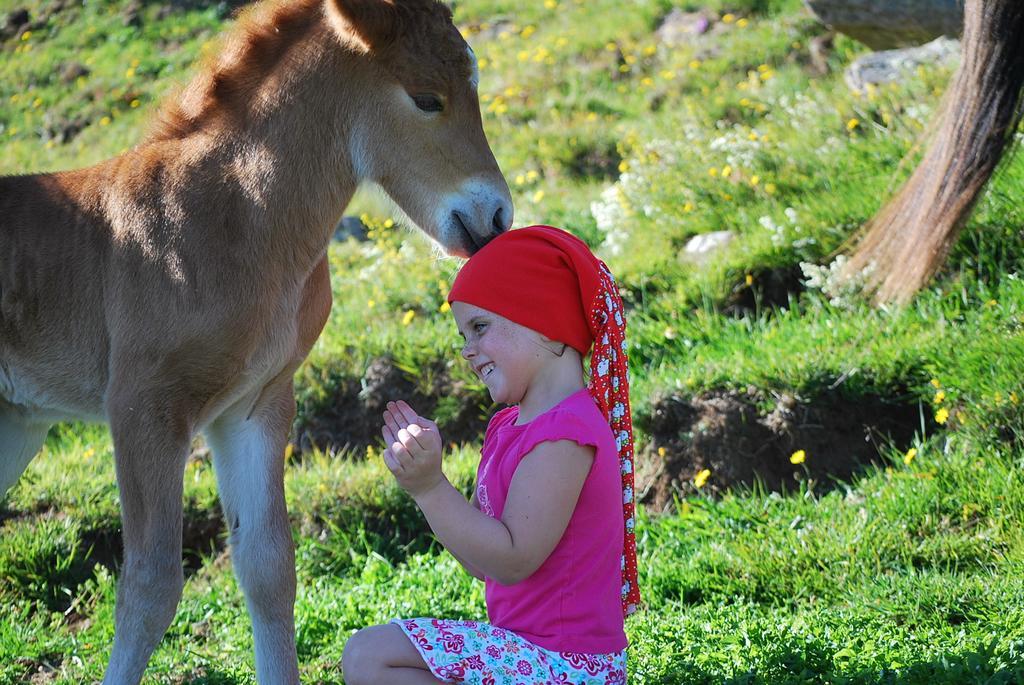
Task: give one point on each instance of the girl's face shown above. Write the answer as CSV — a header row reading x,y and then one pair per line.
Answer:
x,y
508,357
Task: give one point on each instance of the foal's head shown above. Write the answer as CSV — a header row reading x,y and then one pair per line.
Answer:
x,y
418,131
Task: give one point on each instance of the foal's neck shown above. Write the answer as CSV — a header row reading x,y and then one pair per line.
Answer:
x,y
283,148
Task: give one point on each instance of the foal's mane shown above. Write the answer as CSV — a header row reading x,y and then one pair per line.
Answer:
x,y
259,41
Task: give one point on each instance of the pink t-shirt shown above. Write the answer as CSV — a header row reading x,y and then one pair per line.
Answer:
x,y
571,603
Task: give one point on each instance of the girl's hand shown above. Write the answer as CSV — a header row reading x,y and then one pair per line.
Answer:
x,y
412,448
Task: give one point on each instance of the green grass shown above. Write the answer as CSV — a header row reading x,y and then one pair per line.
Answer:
x,y
910,572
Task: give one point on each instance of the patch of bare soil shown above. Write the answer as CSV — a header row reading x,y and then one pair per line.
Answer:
x,y
40,670
351,417
724,432
771,288
203,535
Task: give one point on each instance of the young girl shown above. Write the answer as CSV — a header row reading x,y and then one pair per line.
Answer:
x,y
550,526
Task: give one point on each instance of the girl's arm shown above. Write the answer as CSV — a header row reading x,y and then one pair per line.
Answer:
x,y
540,501
470,569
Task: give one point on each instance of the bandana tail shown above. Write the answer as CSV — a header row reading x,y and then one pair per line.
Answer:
x,y
609,384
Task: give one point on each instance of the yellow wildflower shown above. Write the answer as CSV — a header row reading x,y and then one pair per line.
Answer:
x,y
726,171
388,223
798,457
750,279
26,35
130,72
742,23
755,179
289,450
662,452
1014,398
445,307
701,478
728,18
88,453
852,124
909,456
688,207
623,166
769,188
528,31
694,64
134,103
550,4
713,171
538,196
408,317
941,416
935,382
105,121
939,396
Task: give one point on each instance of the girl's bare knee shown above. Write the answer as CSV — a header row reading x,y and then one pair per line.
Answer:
x,y
362,658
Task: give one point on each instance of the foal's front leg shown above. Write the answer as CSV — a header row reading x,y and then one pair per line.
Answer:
x,y
248,455
150,448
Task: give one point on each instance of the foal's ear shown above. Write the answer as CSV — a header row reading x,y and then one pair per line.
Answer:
x,y
371,24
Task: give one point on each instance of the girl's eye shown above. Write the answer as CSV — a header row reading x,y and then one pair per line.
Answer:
x,y
479,327
428,103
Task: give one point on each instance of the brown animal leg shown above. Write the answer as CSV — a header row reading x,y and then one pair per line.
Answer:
x,y
20,440
150,449
248,454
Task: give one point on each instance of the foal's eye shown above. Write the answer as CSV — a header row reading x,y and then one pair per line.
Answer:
x,y
428,103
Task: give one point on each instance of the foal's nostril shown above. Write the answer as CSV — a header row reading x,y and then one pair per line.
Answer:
x,y
499,223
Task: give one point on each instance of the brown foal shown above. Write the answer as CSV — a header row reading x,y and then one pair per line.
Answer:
x,y
175,289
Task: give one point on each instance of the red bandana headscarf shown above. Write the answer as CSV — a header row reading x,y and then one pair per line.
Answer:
x,y
547,279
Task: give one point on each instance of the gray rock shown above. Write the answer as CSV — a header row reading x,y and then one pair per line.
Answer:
x,y
678,27
701,247
887,24
892,65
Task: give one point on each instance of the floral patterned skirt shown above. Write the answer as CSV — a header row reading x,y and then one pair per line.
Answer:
x,y
482,654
